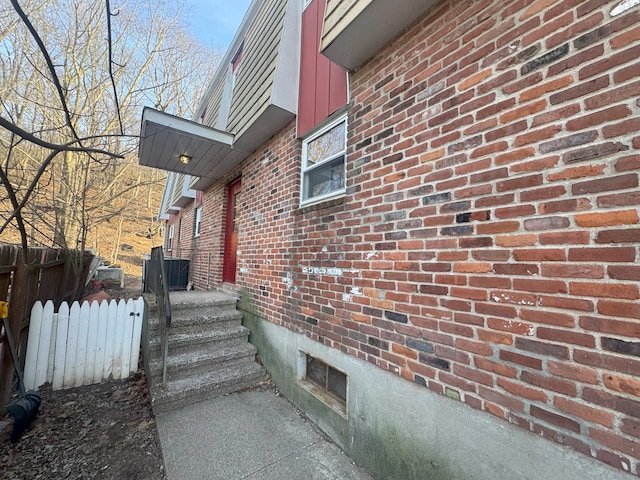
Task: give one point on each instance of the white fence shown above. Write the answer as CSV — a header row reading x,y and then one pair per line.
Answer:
x,y
83,344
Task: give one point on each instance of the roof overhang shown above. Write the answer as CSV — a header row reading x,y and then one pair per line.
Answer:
x,y
183,201
164,138
266,125
361,36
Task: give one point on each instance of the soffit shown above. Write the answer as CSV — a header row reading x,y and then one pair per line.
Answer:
x,y
164,138
355,30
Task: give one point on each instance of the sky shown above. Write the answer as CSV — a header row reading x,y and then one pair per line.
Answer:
x,y
215,22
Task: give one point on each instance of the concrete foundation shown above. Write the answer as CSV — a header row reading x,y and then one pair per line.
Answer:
x,y
398,430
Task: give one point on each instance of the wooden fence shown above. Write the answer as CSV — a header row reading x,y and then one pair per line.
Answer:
x,y
47,274
83,344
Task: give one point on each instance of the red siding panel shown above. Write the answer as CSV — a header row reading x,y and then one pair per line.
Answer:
x,y
307,88
323,70
323,84
338,87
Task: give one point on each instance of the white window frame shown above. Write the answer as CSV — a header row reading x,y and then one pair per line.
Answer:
x,y
306,170
170,232
198,221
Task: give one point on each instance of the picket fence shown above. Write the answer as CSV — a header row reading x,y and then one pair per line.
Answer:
x,y
83,344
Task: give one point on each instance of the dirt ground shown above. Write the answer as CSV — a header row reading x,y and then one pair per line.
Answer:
x,y
105,431
132,288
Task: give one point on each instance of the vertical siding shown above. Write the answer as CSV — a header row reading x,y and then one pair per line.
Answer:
x,y
308,59
192,181
323,84
338,95
256,72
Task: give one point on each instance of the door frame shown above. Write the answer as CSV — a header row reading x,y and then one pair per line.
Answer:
x,y
230,259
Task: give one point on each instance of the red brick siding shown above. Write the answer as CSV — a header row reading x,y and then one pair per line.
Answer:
x,y
205,251
488,241
493,174
270,195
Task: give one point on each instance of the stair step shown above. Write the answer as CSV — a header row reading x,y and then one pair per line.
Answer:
x,y
199,319
180,342
198,388
209,352
186,300
203,361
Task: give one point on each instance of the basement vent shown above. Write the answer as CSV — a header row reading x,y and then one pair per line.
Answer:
x,y
324,382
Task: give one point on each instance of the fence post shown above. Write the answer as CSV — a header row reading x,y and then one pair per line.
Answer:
x,y
25,289
17,309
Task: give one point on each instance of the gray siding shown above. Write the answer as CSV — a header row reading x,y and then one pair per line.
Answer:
x,y
338,14
168,198
256,73
173,196
213,105
176,188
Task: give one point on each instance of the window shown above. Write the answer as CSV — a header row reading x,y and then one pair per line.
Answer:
x,y
235,63
170,238
323,381
179,229
323,163
198,221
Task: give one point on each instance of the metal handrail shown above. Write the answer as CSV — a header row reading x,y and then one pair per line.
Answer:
x,y
158,285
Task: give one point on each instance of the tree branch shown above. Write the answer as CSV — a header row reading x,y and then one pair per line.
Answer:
x,y
17,212
113,81
47,57
67,147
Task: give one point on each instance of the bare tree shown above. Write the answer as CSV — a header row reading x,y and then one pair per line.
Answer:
x,y
74,76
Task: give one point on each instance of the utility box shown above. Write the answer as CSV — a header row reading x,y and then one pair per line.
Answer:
x,y
110,274
176,270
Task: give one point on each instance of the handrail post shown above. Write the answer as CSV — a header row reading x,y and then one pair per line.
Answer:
x,y
158,283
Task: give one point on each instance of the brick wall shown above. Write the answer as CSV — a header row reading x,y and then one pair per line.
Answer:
x,y
493,173
205,251
266,244
487,246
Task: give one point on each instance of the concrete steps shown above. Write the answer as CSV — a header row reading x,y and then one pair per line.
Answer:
x,y
180,341
202,387
201,320
209,352
203,361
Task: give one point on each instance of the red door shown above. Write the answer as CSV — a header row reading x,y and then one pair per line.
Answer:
x,y
231,232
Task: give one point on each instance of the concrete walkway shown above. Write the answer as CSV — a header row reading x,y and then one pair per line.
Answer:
x,y
255,435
